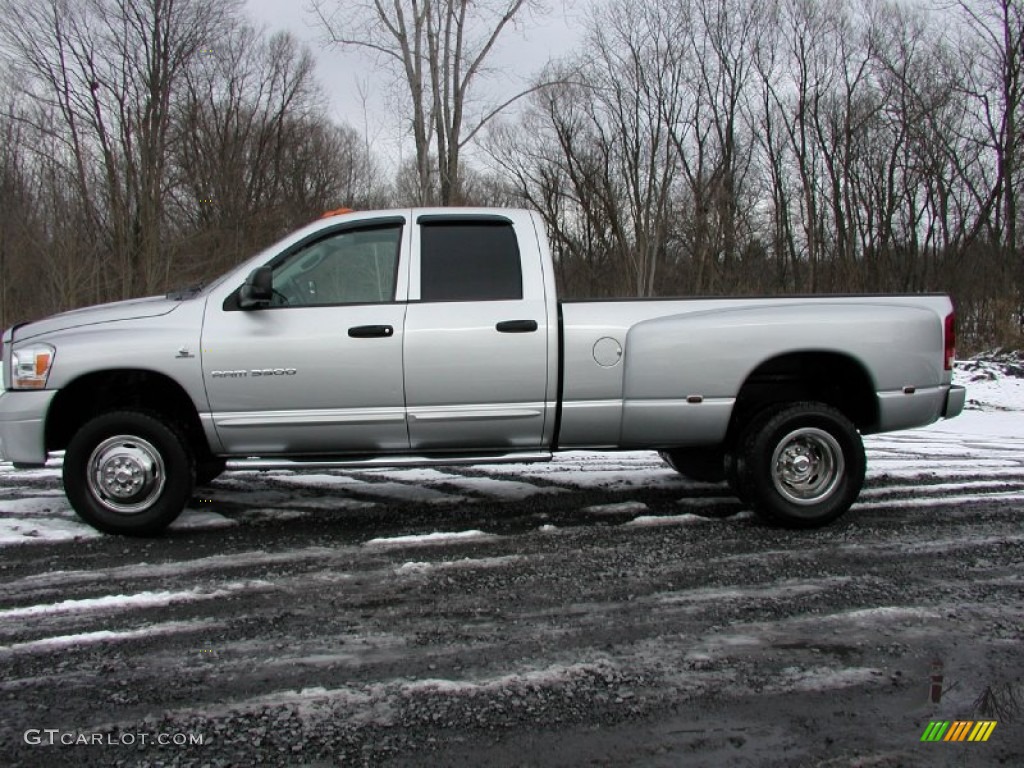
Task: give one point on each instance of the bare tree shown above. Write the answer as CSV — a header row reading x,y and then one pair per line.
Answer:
x,y
255,153
438,50
110,69
558,164
994,77
708,91
15,203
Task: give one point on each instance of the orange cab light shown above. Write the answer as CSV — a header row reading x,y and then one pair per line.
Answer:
x,y
335,212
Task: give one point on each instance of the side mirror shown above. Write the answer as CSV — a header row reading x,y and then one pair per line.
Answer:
x,y
257,290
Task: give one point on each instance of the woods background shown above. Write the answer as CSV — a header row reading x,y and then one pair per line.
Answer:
x,y
682,147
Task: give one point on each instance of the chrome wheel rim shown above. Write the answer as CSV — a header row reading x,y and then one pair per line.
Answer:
x,y
126,474
807,466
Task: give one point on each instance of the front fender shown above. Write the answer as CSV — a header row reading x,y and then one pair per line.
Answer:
x,y
167,345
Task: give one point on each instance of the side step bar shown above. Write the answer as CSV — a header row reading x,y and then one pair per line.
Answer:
x,y
355,462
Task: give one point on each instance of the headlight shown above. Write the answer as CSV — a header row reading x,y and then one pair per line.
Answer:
x,y
30,366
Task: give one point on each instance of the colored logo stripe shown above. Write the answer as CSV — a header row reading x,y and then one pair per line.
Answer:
x,y
982,730
959,730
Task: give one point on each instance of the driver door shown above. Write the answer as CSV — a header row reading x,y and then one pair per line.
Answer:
x,y
319,370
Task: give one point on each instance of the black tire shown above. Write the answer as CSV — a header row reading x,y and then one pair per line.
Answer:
x,y
128,473
801,467
706,465
735,460
209,469
734,478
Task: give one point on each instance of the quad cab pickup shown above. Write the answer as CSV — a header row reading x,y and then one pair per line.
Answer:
x,y
435,336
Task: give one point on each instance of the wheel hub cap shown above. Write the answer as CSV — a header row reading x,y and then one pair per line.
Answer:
x,y
800,465
126,474
807,466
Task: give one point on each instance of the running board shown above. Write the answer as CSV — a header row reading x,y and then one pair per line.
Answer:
x,y
351,462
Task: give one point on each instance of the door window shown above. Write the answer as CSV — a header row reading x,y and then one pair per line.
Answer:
x,y
348,267
469,261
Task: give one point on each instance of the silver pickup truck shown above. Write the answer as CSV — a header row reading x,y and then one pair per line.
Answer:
x,y
435,336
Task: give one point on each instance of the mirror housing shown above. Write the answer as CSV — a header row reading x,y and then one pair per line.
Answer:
x,y
257,290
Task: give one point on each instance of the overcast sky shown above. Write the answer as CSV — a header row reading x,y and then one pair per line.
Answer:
x,y
521,53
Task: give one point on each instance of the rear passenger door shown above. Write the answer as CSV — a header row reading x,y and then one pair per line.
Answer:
x,y
476,336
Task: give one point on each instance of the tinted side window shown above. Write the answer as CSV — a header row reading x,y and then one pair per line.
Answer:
x,y
469,261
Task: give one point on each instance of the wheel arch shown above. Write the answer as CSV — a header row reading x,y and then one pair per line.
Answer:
x,y
122,389
833,378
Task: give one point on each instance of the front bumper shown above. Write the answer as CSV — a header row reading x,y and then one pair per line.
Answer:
x,y
22,426
955,400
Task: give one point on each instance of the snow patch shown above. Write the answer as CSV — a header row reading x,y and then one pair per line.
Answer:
x,y
702,502
417,568
34,506
553,675
993,384
319,702
882,613
201,520
111,603
622,508
939,489
824,679
427,539
656,520
256,558
316,481
711,646
111,636
780,589
19,530
949,499
316,695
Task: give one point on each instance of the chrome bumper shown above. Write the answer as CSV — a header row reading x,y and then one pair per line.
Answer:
x,y
955,400
22,426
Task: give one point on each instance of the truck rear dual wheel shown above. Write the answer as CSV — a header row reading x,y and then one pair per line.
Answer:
x,y
129,473
706,465
800,467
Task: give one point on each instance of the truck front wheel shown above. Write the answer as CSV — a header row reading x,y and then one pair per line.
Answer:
x,y
802,467
128,473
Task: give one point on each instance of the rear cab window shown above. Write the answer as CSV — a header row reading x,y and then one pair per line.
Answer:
x,y
469,260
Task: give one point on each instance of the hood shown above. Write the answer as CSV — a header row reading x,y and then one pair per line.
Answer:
x,y
132,309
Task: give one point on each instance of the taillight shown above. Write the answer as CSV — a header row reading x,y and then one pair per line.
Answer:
x,y
950,345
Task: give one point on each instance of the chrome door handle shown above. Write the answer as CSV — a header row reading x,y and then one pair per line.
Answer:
x,y
371,331
516,326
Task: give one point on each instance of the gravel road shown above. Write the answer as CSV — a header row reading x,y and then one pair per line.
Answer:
x,y
595,611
